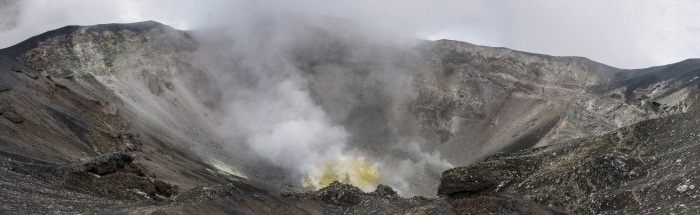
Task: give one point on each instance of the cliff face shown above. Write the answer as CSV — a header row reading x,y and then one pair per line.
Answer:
x,y
135,112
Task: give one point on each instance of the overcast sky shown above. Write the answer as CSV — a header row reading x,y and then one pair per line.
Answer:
x,y
625,34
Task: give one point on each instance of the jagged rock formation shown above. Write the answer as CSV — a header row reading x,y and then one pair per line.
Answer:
x,y
110,118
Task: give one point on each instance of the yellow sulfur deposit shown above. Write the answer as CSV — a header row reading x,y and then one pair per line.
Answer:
x,y
346,169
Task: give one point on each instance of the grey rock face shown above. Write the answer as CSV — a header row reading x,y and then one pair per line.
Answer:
x,y
141,88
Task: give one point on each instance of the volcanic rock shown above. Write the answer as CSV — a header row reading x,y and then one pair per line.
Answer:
x,y
383,190
116,176
633,170
533,132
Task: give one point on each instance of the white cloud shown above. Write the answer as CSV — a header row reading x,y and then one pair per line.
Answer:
x,y
627,34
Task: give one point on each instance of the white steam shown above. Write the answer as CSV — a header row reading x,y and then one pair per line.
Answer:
x,y
267,110
280,123
406,174
288,84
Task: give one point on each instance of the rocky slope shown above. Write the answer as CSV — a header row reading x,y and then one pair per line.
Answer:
x,y
126,118
646,168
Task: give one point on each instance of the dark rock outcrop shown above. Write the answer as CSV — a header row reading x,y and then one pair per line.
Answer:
x,y
116,176
339,198
338,194
383,190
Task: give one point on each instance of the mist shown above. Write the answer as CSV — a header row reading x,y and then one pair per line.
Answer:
x,y
289,89
624,34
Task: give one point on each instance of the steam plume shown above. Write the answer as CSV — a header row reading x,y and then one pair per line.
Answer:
x,y
287,84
